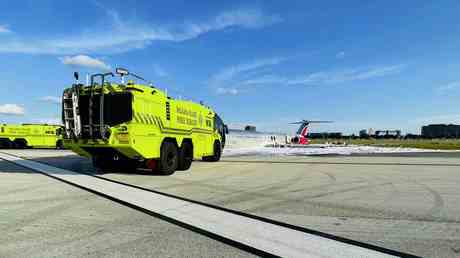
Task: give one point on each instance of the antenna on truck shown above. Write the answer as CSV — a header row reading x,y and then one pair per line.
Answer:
x,y
75,75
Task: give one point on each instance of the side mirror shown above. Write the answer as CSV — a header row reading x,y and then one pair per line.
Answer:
x,y
121,71
75,75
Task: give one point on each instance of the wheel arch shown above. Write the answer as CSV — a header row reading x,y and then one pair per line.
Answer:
x,y
187,140
170,139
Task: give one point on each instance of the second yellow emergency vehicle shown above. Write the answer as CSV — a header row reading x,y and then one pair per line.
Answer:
x,y
31,136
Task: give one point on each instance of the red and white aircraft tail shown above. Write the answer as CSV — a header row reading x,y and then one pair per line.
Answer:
x,y
302,132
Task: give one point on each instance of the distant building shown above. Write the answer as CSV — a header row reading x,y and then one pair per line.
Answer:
x,y
379,133
250,128
441,131
370,131
388,133
412,136
363,133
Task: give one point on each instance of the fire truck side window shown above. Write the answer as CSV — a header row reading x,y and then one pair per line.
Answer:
x,y
218,124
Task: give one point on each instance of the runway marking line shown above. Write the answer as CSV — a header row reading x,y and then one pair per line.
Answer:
x,y
257,235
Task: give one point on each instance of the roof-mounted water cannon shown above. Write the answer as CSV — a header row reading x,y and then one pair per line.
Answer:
x,y
124,72
121,71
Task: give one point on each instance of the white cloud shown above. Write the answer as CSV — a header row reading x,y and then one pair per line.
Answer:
x,y
124,35
4,28
51,99
228,81
12,109
265,79
323,77
50,121
376,72
261,73
340,55
334,77
159,71
438,119
230,72
449,86
85,61
246,18
227,91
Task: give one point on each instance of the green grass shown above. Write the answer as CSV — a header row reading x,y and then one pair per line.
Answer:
x,y
435,144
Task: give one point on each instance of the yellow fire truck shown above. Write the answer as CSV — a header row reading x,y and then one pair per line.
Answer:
x,y
131,125
31,136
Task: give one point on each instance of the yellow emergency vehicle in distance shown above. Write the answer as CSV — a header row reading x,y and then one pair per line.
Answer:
x,y
131,125
31,136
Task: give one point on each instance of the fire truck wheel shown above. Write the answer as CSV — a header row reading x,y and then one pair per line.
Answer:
x,y
185,156
20,143
103,165
59,145
168,158
6,144
217,153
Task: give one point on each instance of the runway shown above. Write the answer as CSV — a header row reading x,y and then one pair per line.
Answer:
x,y
408,204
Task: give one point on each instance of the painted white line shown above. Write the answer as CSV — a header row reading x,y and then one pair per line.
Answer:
x,y
274,239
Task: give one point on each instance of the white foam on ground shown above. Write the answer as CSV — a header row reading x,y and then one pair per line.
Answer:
x,y
254,144
236,140
332,150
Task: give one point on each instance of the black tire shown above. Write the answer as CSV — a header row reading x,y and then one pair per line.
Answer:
x,y
217,153
59,145
185,156
169,159
6,144
20,143
103,164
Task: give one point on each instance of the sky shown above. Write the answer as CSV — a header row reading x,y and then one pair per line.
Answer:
x,y
361,64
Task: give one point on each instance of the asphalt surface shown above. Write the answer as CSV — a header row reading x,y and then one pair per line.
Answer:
x,y
42,217
405,203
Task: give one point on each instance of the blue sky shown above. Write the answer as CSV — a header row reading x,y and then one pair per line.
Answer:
x,y
361,64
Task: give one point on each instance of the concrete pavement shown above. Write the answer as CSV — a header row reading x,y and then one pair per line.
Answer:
x,y
410,204
42,217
